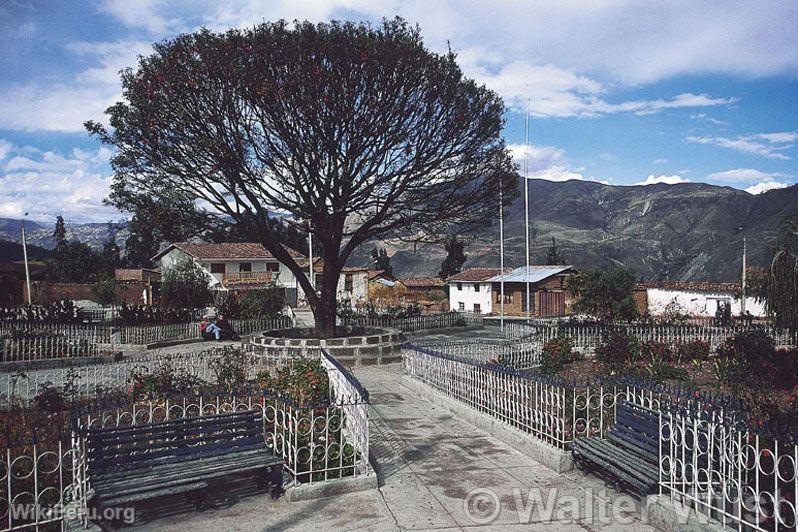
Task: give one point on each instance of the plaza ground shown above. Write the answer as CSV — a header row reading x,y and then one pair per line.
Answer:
x,y
428,461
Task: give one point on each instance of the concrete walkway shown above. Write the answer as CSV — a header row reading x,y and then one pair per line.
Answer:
x,y
429,463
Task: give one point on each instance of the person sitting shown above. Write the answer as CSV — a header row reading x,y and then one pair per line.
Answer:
x,y
224,325
214,329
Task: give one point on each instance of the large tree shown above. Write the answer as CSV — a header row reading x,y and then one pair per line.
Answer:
x,y
455,257
604,294
357,131
778,285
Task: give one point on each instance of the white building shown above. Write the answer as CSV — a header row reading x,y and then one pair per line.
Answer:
x,y
469,290
246,266
696,298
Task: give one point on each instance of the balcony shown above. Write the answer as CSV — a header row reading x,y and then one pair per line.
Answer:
x,y
247,278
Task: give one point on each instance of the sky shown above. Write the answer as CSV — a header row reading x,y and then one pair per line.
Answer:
x,y
617,91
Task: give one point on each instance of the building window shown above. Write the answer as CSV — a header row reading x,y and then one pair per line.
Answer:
x,y
477,308
461,306
476,287
460,286
217,267
348,282
272,266
245,266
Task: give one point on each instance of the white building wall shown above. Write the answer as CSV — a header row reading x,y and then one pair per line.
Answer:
x,y
700,303
468,296
284,278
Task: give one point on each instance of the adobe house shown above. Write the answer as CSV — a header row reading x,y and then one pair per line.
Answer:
x,y
548,296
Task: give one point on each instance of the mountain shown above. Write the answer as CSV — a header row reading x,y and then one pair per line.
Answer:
x,y
12,252
688,231
41,234
680,232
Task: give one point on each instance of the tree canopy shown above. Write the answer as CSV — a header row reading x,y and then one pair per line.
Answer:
x,y
778,286
455,258
605,294
185,285
357,131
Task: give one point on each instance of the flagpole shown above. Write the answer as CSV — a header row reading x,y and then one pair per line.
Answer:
x,y
526,201
501,252
25,257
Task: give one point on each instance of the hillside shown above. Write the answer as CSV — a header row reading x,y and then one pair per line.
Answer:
x,y
686,231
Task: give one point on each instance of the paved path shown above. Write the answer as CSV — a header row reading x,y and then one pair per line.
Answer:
x,y
429,462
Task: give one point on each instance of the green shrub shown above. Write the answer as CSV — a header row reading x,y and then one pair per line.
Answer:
x,y
262,304
656,352
185,285
232,368
556,353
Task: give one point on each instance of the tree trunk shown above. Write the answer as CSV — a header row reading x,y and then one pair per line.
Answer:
x,y
326,310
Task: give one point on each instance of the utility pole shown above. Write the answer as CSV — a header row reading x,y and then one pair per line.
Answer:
x,y
25,257
501,253
742,299
526,202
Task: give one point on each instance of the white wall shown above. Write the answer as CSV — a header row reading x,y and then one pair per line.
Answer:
x,y
358,294
699,303
468,296
284,277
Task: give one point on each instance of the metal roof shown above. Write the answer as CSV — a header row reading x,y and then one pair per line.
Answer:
x,y
533,275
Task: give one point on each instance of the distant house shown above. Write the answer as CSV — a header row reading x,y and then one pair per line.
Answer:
x,y
234,266
479,290
470,291
249,266
695,298
424,288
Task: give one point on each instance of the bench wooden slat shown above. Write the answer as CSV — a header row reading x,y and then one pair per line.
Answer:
x,y
631,451
128,464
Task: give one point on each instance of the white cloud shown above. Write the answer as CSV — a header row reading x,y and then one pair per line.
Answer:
x,y
66,106
628,41
47,183
555,92
5,148
744,175
545,162
769,145
759,188
662,179
660,161
141,14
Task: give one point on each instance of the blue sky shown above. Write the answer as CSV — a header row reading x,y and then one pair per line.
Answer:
x,y
618,91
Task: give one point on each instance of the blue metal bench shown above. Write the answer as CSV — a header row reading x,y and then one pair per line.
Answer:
x,y
629,456
186,455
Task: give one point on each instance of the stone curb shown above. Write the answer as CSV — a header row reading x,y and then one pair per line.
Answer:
x,y
670,515
331,488
556,459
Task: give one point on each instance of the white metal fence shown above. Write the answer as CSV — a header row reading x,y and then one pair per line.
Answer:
x,y
318,442
742,479
46,347
519,354
417,323
589,335
140,334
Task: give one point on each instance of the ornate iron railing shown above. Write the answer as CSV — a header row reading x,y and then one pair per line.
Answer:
x,y
590,335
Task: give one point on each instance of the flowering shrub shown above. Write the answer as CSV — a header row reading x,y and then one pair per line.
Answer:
x,y
556,353
232,368
165,381
305,381
655,351
618,349
693,350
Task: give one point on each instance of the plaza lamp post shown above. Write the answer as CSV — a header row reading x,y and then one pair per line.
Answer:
x,y
501,254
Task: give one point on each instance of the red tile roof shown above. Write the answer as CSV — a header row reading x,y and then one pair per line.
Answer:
x,y
226,250
692,286
422,282
475,274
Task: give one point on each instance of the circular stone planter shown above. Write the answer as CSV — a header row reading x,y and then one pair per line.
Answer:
x,y
362,347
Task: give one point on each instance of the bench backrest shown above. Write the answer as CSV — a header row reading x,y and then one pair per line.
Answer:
x,y
637,427
118,448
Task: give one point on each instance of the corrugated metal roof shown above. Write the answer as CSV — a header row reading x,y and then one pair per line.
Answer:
x,y
533,275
